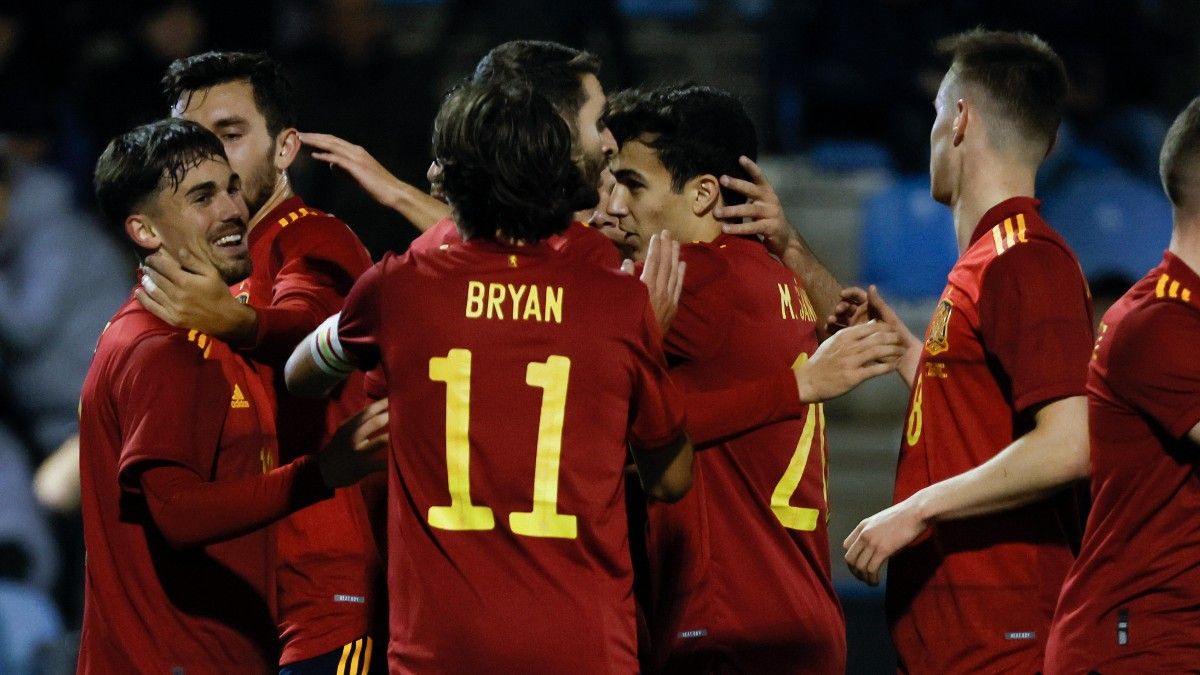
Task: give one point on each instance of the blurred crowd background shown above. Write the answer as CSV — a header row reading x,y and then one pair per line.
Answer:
x,y
841,91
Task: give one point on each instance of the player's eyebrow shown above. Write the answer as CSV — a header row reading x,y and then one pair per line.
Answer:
x,y
206,186
625,175
230,122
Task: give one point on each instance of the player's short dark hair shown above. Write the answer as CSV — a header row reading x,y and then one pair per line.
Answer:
x,y
695,130
553,70
273,93
506,162
1179,161
139,163
1021,74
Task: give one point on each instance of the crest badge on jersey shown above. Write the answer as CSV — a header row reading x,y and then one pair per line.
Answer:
x,y
937,340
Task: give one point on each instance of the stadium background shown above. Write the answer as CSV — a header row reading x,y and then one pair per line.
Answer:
x,y
840,90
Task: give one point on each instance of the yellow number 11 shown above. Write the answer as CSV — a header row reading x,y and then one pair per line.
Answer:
x,y
543,520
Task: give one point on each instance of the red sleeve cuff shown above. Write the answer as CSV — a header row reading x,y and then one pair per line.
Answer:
x,y
1047,393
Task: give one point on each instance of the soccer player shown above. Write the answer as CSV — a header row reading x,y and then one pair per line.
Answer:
x,y
568,78
981,533
304,262
516,372
1131,602
178,448
740,567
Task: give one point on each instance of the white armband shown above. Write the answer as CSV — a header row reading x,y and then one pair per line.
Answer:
x,y
326,349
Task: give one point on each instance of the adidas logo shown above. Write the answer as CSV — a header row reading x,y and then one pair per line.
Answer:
x,y
238,400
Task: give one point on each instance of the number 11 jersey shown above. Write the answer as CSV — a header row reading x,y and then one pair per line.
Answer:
x,y
515,375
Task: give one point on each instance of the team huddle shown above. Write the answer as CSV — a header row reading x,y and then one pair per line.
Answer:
x,y
578,427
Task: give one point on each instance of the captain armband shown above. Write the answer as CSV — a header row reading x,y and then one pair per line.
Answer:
x,y
326,349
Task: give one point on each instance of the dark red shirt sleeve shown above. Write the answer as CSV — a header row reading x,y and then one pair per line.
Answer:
x,y
191,511
161,387
1036,319
319,259
713,416
1152,365
657,407
358,327
700,326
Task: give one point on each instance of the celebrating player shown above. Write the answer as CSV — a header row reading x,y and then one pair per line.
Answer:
x,y
304,263
740,567
178,446
515,372
1121,611
980,536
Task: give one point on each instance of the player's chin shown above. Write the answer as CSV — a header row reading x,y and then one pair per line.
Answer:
x,y
234,268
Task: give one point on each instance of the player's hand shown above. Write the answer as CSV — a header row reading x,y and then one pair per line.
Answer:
x,y
858,306
663,274
376,180
187,291
878,538
352,454
762,213
847,358
851,310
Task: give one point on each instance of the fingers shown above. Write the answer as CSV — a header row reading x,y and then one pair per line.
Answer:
x,y
326,142
671,262
167,266
154,306
756,173
627,267
677,286
878,307
855,295
743,187
752,210
373,444
652,261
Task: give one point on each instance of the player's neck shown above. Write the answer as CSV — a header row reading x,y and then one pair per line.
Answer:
x,y
981,189
703,229
1185,240
283,192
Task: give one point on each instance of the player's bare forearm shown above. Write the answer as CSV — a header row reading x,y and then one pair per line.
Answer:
x,y
1048,458
666,472
1054,454
421,209
822,287
317,365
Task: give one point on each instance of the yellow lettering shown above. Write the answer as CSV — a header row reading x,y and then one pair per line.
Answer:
x,y
785,302
806,309
554,304
516,292
474,299
533,307
495,297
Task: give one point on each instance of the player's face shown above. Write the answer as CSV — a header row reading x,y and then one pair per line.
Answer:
x,y
207,216
942,162
228,110
643,201
594,142
605,222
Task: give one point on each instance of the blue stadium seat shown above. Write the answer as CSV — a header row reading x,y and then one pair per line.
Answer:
x,y
908,242
28,621
660,9
1117,224
850,155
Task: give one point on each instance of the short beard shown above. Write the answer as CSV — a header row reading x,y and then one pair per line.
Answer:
x,y
258,187
590,169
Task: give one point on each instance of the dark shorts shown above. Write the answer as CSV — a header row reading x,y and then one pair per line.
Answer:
x,y
359,657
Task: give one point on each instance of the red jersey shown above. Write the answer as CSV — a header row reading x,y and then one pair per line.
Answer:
x,y
1013,330
1131,602
515,375
578,239
148,607
303,265
740,569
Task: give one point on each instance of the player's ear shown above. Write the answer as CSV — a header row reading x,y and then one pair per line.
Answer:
x,y
140,228
962,115
706,194
287,148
